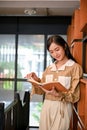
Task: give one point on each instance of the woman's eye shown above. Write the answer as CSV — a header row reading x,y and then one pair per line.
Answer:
x,y
57,49
51,52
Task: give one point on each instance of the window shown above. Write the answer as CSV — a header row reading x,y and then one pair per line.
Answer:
x,y
7,67
31,59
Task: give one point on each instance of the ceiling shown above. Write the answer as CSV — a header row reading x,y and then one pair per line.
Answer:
x,y
38,7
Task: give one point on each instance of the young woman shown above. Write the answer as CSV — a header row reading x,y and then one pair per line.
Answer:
x,y
57,108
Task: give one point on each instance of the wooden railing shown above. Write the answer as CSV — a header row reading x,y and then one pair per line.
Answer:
x,y
16,115
1,116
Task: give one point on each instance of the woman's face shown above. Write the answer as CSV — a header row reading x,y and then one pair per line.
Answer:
x,y
57,51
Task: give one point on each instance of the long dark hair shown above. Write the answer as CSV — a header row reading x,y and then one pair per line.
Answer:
x,y
60,41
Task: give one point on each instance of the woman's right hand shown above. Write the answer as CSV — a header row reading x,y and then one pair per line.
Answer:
x,y
32,75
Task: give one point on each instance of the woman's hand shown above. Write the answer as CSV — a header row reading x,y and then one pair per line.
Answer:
x,y
32,75
51,92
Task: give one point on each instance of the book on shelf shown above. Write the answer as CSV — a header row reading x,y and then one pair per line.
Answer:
x,y
49,85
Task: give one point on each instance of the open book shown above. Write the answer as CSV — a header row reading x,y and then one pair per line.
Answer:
x,y
49,85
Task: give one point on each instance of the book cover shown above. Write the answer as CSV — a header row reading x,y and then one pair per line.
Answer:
x,y
49,85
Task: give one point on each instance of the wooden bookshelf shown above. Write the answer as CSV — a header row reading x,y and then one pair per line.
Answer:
x,y
77,39
77,34
83,13
82,104
69,35
74,36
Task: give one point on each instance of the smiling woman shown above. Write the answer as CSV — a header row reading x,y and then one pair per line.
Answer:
x,y
67,73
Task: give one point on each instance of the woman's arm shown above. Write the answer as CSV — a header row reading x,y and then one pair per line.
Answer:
x,y
73,95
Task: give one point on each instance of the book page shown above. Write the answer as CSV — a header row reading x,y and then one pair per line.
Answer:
x,y
58,86
31,80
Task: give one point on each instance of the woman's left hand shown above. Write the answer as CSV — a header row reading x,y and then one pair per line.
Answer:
x,y
51,92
